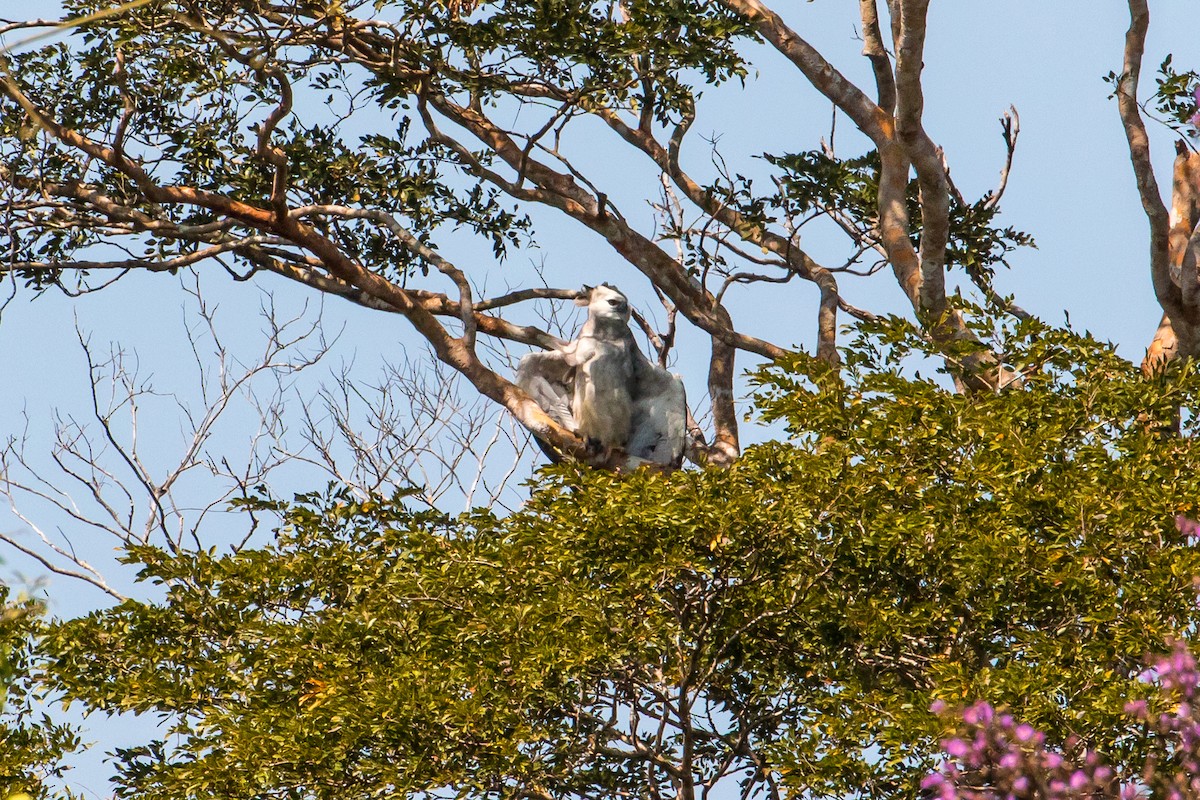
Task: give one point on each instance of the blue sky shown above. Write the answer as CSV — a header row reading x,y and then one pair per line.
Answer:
x,y
1072,188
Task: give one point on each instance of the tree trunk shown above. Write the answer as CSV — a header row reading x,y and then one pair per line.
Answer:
x,y
1178,334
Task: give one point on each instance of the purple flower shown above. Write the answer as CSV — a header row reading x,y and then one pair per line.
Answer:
x,y
1025,732
979,714
956,747
1187,526
1137,708
994,757
932,781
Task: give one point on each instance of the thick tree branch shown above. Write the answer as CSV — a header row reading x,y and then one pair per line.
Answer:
x,y
456,352
414,245
667,159
562,192
1139,154
873,49
902,144
869,117
925,157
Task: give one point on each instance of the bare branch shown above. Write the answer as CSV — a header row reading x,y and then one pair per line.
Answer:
x,y
1010,123
457,352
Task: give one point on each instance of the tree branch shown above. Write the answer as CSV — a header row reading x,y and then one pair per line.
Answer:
x,y
1139,154
873,49
456,352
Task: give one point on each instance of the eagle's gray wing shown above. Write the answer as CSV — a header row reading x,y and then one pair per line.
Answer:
x,y
549,378
659,424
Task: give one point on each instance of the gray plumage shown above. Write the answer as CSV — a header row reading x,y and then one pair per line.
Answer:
x,y
601,387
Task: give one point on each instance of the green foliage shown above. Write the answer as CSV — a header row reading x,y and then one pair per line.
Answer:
x,y
203,135
31,744
370,651
783,623
814,182
583,47
543,64
1018,548
1174,96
